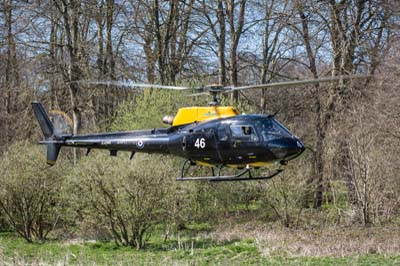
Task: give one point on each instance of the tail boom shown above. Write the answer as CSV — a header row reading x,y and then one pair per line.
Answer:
x,y
148,141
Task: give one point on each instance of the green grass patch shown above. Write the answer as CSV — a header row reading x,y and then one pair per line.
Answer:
x,y
199,227
183,251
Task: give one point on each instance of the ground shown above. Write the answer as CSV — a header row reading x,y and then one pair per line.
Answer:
x,y
246,244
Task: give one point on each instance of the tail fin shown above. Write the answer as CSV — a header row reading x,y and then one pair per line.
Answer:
x,y
43,119
53,146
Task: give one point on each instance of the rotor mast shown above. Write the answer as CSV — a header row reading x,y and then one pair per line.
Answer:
x,y
214,90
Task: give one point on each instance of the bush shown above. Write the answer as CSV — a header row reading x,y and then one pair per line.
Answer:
x,y
286,192
31,194
129,198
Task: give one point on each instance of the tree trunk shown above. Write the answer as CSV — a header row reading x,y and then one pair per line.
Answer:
x,y
236,30
70,14
12,76
221,44
150,63
109,47
318,179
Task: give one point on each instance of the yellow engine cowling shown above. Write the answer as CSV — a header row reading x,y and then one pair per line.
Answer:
x,y
189,115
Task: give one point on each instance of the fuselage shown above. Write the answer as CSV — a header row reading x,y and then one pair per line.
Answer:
x,y
237,141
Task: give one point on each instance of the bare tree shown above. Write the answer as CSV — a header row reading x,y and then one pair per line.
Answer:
x,y
216,21
164,35
276,18
11,68
347,25
70,12
304,14
236,29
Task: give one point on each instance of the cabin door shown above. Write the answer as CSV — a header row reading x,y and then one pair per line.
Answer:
x,y
201,146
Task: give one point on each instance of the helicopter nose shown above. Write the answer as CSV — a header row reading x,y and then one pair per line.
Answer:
x,y
286,148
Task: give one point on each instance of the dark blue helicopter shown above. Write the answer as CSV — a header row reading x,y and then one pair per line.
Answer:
x,y
213,136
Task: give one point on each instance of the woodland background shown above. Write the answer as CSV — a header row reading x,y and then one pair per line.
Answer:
x,y
349,176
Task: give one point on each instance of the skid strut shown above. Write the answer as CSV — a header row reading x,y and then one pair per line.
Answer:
x,y
219,178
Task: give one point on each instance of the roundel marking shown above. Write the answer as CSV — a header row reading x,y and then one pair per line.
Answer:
x,y
140,144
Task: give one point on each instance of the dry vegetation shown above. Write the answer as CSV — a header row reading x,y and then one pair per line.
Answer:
x,y
324,242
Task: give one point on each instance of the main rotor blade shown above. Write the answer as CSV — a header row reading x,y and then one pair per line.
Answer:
x,y
131,84
297,82
198,94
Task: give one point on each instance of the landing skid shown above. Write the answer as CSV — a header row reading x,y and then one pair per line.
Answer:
x,y
220,178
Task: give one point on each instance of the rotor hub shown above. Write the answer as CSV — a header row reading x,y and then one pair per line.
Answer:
x,y
214,90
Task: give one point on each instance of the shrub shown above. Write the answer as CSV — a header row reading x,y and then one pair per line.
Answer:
x,y
31,193
130,198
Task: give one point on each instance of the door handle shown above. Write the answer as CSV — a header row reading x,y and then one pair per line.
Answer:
x,y
184,143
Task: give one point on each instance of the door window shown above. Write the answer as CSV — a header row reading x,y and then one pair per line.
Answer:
x,y
222,134
244,132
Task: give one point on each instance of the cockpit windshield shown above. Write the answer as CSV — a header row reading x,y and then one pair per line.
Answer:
x,y
270,129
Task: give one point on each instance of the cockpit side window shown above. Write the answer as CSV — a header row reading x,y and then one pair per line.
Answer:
x,y
244,132
271,129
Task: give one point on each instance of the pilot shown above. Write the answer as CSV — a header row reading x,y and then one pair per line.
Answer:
x,y
246,130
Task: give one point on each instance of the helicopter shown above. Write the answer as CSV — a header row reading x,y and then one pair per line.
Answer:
x,y
213,136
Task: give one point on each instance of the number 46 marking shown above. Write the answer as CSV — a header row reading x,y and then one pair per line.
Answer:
x,y
200,143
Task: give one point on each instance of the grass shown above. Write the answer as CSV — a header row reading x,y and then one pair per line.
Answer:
x,y
196,246
184,252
